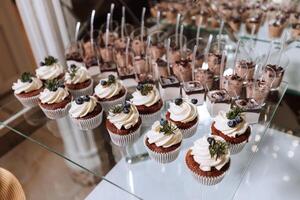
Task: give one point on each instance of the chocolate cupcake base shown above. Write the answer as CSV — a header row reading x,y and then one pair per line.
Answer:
x,y
56,113
212,177
162,157
237,144
29,99
90,123
87,90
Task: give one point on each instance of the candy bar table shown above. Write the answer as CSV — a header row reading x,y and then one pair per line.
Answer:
x,y
135,175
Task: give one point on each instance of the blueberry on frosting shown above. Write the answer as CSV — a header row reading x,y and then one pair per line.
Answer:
x,y
194,101
231,123
86,98
79,101
178,101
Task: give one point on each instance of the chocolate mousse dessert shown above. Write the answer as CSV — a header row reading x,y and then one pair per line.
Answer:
x,y
257,90
250,109
253,23
217,100
245,69
183,70
107,61
194,90
157,50
235,23
205,77
276,28
125,70
273,75
296,30
162,67
175,55
214,62
169,87
233,84
138,47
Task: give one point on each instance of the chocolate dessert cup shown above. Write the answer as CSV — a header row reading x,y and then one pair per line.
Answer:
x,y
251,109
194,90
217,100
233,84
245,69
258,90
273,75
183,70
205,77
169,87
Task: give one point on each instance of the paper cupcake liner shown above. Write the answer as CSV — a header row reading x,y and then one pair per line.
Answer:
x,y
206,180
236,148
29,101
187,133
107,104
84,91
124,140
163,157
149,119
88,124
57,113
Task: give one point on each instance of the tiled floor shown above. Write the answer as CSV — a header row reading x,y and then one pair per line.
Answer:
x,y
42,174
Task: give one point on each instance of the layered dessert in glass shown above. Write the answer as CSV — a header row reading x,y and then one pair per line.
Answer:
x,y
217,100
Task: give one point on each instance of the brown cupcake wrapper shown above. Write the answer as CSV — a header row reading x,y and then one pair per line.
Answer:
x,y
149,119
163,157
84,91
107,104
90,123
124,140
56,113
187,133
29,101
236,148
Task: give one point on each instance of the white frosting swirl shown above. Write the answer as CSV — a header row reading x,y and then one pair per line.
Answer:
x,y
221,125
81,110
49,72
185,112
26,87
108,91
124,120
201,155
161,139
76,63
81,76
148,100
50,97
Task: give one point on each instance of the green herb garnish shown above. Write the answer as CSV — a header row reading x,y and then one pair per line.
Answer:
x,y
234,112
53,85
26,77
217,148
167,128
50,60
146,89
116,109
73,71
111,79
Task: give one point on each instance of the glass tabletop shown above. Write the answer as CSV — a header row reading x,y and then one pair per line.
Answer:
x,y
129,168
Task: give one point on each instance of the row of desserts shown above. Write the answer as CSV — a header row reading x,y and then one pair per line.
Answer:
x,y
209,158
253,14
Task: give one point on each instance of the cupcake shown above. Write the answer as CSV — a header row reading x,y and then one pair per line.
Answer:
x,y
148,102
233,128
163,141
55,99
86,112
109,92
78,81
27,89
184,115
123,124
208,160
50,69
